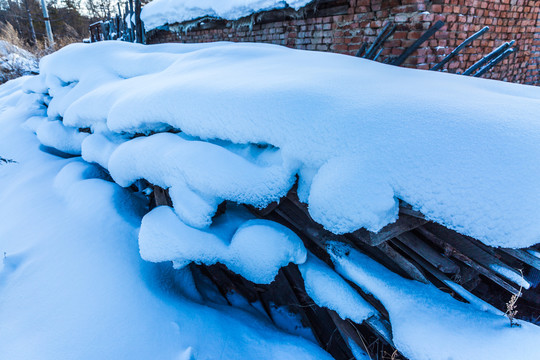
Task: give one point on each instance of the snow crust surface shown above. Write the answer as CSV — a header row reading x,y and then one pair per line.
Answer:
x,y
358,134
161,12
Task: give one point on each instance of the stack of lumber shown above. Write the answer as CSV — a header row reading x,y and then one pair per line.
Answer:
x,y
412,247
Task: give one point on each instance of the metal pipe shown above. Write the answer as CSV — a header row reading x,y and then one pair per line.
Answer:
x,y
377,40
488,57
432,30
494,62
456,51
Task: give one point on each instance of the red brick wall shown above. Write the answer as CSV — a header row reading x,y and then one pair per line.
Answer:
x,y
508,20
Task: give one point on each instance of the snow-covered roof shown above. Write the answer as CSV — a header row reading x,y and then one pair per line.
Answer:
x,y
359,135
161,12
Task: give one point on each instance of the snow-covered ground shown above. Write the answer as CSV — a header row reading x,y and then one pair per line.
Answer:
x,y
161,12
359,135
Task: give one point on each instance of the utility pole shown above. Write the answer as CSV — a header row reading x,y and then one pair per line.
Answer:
x,y
47,23
30,22
131,28
138,22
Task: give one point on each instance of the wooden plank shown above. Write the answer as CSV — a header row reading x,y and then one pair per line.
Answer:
x,y
161,196
221,275
206,286
425,251
320,321
407,209
454,252
458,291
476,252
456,51
348,331
264,211
313,234
523,256
379,40
403,224
297,214
406,265
382,328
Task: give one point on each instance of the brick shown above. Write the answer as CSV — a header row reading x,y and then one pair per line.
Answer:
x,y
401,18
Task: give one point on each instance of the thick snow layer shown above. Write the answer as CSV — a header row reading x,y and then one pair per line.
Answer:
x,y
208,169
359,134
428,324
330,290
161,12
255,249
510,275
63,138
72,283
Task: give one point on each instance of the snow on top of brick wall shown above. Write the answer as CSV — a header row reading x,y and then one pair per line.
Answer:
x,y
161,12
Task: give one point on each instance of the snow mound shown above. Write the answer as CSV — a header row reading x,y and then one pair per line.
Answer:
x,y
358,134
161,12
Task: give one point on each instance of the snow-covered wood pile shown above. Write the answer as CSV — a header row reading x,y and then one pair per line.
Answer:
x,y
308,202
